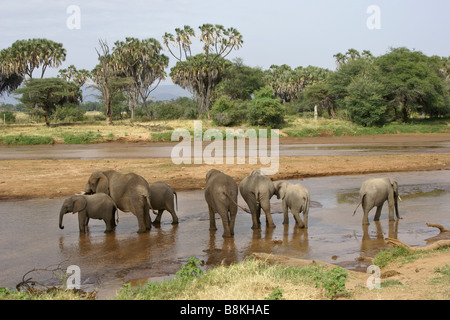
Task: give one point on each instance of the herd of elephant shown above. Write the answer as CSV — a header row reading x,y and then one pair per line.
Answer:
x,y
107,191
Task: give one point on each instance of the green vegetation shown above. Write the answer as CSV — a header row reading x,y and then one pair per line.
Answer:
x,y
250,279
20,139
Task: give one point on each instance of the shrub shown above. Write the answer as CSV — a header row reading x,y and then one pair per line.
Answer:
x,y
266,110
226,112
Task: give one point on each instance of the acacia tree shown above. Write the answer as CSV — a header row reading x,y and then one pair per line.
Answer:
x,y
202,72
47,93
412,81
143,63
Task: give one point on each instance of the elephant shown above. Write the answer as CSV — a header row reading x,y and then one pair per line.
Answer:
x,y
162,198
373,193
130,192
257,190
296,198
97,206
221,193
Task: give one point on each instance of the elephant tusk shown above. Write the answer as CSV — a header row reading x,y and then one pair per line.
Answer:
x,y
399,198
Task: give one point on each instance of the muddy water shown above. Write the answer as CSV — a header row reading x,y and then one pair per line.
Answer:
x,y
30,237
163,150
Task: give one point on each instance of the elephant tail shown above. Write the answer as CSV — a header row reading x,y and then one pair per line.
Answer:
x,y
360,201
229,197
176,198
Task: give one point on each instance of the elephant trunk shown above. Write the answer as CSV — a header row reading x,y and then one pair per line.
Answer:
x,y
396,197
87,189
61,215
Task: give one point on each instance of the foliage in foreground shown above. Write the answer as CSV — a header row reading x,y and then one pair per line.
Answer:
x,y
250,279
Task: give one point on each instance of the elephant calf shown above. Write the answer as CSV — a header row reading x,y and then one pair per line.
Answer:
x,y
97,206
162,198
373,193
296,198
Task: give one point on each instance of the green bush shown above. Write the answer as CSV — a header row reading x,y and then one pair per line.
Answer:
x,y
226,112
26,140
68,113
265,110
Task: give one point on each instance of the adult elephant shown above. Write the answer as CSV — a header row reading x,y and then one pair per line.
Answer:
x,y
373,193
163,197
296,198
129,191
221,193
257,189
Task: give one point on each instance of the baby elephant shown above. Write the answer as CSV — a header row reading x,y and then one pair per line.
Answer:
x,y
162,198
296,198
97,206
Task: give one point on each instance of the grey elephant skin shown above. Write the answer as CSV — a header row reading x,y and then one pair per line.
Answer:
x,y
162,198
221,193
257,189
295,197
97,206
373,193
130,192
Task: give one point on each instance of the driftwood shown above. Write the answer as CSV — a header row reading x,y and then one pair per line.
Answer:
x,y
435,245
440,227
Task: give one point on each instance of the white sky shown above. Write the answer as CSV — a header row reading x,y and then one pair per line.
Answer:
x,y
293,32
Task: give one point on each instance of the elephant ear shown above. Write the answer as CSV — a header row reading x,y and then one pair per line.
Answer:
x,y
79,203
101,182
280,188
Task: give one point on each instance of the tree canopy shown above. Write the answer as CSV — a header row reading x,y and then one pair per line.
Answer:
x,y
47,93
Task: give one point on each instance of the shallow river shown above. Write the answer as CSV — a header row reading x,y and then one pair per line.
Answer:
x,y
30,237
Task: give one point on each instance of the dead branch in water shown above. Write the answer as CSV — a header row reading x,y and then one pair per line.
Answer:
x,y
440,227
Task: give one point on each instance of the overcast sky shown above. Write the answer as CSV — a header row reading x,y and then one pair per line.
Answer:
x,y
292,32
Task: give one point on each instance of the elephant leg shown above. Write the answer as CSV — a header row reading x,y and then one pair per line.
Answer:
x,y
378,213
110,224
82,221
226,224
254,209
233,213
174,215
305,217
366,209
212,221
296,214
158,216
391,208
265,205
285,213
143,218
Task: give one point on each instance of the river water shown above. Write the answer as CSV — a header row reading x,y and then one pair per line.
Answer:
x,y
30,237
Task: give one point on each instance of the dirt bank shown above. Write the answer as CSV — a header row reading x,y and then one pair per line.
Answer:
x,y
53,178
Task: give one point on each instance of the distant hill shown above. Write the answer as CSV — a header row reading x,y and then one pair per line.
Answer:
x,y
162,92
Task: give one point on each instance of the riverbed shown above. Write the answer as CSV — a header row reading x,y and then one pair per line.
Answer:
x,y
30,237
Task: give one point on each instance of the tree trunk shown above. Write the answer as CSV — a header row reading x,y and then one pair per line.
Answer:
x,y
405,116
